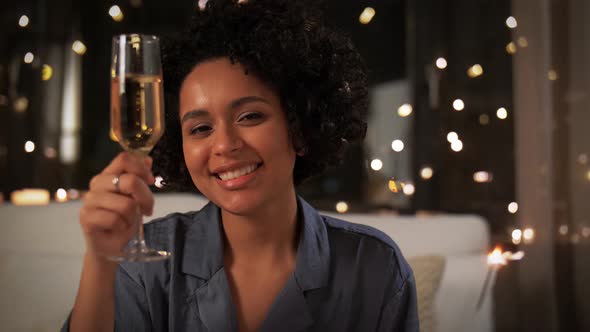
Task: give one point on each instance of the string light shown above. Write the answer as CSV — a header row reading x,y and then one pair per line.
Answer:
x,y
46,72
516,236
405,110
376,164
116,13
523,42
367,15
528,235
583,159
21,104
513,207
23,21
159,182
73,193
511,48
393,185
552,75
482,177
61,195
408,189
501,113
29,57
78,47
29,146
475,71
588,175
458,105
397,145
484,119
457,145
426,173
441,63
341,207
586,231
563,229
511,22
452,136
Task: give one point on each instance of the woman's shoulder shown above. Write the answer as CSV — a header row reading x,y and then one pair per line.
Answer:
x,y
367,242
340,226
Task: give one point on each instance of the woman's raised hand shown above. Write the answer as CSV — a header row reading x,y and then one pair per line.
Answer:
x,y
108,215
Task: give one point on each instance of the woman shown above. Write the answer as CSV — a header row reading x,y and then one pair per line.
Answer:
x,y
266,97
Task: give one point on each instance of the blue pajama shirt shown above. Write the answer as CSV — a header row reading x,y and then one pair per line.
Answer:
x,y
348,277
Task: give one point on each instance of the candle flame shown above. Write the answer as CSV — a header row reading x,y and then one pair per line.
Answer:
x,y
496,258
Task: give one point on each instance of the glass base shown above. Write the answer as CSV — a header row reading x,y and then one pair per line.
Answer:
x,y
139,252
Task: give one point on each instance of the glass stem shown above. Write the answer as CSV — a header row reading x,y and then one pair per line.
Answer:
x,y
138,239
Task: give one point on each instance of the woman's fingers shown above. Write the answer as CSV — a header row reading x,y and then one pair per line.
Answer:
x,y
121,209
127,163
97,220
129,185
106,231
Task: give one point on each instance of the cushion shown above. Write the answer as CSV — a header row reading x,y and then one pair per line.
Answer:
x,y
428,271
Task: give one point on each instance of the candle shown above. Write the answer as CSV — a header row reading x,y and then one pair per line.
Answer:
x,y
30,197
496,259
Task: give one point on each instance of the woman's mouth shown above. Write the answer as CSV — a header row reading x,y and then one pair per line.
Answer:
x,y
234,174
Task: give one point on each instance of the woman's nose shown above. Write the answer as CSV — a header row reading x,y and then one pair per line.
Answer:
x,y
226,140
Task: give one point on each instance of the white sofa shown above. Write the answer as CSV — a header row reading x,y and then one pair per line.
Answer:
x,y
41,249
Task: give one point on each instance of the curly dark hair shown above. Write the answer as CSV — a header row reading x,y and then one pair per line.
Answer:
x,y
319,76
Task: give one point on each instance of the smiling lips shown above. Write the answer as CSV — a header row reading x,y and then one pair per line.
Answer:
x,y
225,176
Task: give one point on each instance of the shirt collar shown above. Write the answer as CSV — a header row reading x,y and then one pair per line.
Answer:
x,y
203,246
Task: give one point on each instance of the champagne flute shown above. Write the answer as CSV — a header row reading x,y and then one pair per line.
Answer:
x,y
137,115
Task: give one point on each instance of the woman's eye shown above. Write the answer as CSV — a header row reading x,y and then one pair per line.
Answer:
x,y
200,130
250,116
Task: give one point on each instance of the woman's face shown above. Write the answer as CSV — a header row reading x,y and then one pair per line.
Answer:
x,y
235,138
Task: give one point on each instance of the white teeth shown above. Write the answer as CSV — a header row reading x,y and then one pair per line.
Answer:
x,y
237,173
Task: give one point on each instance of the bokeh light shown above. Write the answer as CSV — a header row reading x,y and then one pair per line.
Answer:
x,y
513,207
79,47
405,110
397,145
457,145
29,146
458,105
341,207
441,63
367,15
475,71
511,22
426,173
29,57
376,164
452,136
23,21
502,113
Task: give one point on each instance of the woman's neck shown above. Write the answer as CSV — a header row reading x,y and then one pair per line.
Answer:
x,y
268,236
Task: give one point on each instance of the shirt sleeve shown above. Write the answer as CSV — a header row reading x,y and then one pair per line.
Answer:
x,y
400,312
131,306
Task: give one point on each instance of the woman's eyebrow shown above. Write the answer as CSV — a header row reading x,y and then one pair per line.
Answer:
x,y
247,99
233,105
194,114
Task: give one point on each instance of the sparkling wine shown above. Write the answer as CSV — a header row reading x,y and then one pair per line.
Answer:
x,y
137,111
